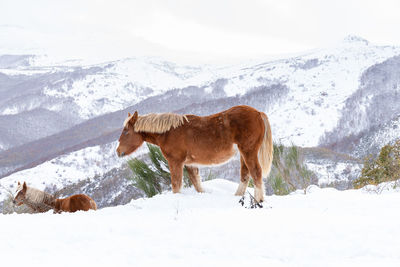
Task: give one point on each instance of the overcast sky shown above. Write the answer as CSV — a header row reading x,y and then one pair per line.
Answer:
x,y
206,30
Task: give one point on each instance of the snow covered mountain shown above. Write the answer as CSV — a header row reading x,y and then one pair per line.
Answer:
x,y
343,97
370,116
54,98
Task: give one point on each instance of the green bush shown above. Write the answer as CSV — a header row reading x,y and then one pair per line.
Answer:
x,y
384,168
289,171
153,178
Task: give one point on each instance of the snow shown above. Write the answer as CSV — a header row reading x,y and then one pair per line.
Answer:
x,y
325,227
319,82
126,82
24,71
384,135
318,94
329,173
10,111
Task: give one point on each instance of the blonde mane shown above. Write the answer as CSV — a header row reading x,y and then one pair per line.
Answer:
x,y
157,122
34,195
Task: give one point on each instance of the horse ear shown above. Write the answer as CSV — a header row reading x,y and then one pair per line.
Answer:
x,y
24,187
19,183
135,116
131,119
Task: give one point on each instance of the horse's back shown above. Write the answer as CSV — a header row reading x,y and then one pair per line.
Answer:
x,y
82,202
78,202
231,126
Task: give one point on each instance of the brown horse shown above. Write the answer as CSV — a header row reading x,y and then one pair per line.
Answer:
x,y
74,203
192,140
40,201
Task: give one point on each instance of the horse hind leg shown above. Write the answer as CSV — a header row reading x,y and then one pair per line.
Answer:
x,y
195,178
255,170
244,178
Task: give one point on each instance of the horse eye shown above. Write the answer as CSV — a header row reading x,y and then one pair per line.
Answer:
x,y
126,132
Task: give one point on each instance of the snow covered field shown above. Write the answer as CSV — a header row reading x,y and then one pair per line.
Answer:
x,y
325,227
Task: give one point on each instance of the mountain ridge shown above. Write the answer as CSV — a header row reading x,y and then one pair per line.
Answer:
x,y
313,100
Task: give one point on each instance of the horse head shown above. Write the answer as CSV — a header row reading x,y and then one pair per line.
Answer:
x,y
130,140
20,194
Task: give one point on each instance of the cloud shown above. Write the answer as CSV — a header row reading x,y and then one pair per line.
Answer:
x,y
201,30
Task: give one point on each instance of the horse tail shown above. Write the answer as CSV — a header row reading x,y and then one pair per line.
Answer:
x,y
93,205
265,154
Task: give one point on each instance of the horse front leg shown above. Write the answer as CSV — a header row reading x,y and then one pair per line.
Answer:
x,y
176,169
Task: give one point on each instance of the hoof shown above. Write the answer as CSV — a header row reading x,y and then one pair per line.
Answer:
x,y
199,189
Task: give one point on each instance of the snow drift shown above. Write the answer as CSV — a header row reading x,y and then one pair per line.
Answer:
x,y
325,227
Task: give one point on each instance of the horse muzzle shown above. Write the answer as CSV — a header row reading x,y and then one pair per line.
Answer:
x,y
120,154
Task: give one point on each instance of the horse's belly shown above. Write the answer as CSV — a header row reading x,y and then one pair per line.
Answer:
x,y
210,157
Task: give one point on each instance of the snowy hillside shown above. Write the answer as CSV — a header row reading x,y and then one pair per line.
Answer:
x,y
319,85
369,117
59,121
124,83
62,96
325,227
68,168
313,86
84,167
372,142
